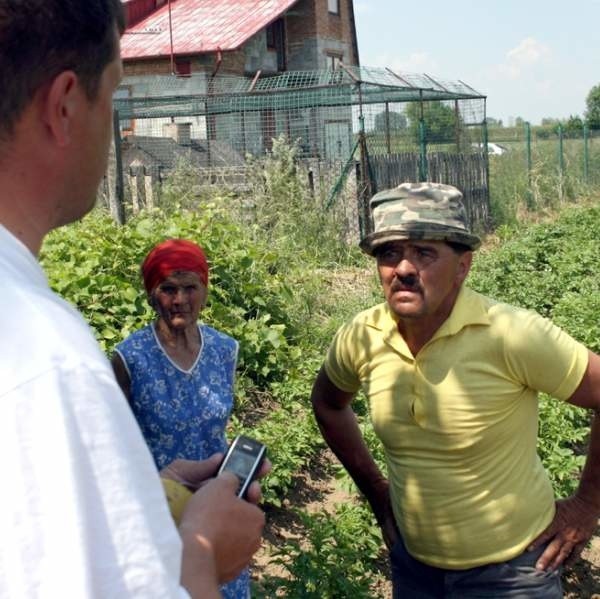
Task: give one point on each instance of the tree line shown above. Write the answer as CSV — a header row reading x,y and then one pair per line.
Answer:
x,y
441,121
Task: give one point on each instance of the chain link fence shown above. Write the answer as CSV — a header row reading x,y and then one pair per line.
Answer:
x,y
535,168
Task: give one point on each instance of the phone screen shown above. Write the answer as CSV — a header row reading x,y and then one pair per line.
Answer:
x,y
240,463
243,458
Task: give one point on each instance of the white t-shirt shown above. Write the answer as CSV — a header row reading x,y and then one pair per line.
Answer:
x,y
82,511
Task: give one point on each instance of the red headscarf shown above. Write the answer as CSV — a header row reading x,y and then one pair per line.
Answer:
x,y
172,256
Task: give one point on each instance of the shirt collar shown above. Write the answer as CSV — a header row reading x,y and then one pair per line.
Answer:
x,y
469,309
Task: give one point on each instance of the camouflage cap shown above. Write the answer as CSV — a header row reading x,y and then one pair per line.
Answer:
x,y
431,211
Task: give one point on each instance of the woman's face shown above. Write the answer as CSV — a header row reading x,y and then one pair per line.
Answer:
x,y
178,299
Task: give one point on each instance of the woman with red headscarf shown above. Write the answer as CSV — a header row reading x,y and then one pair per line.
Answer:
x,y
178,374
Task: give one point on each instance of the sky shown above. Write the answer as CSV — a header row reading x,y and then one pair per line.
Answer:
x,y
531,58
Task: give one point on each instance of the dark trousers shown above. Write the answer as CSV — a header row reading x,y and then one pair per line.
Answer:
x,y
514,579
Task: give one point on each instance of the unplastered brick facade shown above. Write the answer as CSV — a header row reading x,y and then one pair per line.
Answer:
x,y
317,36
228,62
308,37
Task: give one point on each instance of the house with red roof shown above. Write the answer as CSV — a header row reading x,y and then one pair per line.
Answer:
x,y
177,49
237,37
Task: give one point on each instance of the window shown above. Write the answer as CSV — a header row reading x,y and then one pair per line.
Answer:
x,y
276,41
183,68
272,35
333,6
333,61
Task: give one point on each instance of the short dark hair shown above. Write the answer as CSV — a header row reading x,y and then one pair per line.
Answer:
x,y
41,38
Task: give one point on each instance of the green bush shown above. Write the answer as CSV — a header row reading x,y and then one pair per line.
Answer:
x,y
95,265
335,558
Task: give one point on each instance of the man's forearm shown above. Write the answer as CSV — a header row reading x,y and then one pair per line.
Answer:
x,y
341,432
589,486
198,572
338,424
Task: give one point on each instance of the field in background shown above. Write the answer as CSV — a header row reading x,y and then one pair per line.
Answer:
x,y
536,174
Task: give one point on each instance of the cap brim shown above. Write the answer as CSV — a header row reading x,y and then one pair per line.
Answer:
x,y
371,242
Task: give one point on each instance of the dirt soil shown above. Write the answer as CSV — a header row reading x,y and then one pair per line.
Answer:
x,y
316,489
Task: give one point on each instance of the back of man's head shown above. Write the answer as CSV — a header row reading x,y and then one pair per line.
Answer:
x,y
41,38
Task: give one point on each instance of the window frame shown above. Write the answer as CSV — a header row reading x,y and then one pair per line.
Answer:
x,y
333,60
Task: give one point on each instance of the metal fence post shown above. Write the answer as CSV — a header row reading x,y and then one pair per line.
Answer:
x,y
388,139
561,163
422,141
561,156
422,151
586,153
457,125
529,163
486,175
365,190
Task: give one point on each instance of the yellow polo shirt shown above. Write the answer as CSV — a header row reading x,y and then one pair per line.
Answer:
x,y
459,423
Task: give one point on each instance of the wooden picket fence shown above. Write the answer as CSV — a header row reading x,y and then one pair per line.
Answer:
x,y
466,171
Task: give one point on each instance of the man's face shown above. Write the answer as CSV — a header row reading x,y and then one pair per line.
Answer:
x,y
92,140
420,278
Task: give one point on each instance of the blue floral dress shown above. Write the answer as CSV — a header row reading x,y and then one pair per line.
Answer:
x,y
183,413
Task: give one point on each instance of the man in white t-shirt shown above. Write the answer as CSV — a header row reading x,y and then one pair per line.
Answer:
x,y
82,512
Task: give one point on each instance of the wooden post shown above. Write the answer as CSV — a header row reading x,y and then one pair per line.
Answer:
x,y
115,174
138,198
149,188
135,199
311,182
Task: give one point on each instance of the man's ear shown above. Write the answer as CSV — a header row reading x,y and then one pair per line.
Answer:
x,y
61,105
464,265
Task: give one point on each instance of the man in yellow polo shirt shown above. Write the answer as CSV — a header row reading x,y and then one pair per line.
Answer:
x,y
452,379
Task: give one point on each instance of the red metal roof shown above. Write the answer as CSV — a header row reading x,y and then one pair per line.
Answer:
x,y
200,26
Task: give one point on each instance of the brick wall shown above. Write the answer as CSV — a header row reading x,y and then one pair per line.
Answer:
x,y
313,33
337,28
301,21
156,66
231,62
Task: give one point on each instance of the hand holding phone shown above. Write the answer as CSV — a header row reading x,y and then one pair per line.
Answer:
x,y
244,458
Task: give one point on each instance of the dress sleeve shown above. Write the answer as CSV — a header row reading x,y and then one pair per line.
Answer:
x,y
83,513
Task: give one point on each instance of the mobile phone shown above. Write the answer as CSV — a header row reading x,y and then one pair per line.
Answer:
x,y
244,458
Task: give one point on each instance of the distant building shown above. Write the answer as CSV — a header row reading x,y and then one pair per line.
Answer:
x,y
200,41
237,37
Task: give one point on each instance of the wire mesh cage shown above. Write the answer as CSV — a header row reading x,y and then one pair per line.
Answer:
x,y
381,126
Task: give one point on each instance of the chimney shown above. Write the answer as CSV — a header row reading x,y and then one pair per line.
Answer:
x,y
180,132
